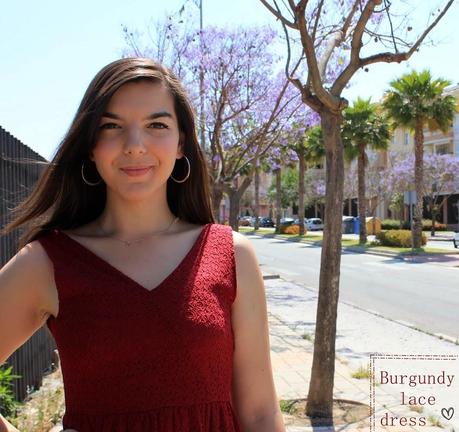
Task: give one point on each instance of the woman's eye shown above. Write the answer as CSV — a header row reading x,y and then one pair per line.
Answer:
x,y
159,125
107,126
155,125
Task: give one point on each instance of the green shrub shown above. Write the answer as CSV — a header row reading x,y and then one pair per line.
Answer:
x,y
427,225
8,404
397,238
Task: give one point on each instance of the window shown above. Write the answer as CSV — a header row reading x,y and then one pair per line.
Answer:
x,y
407,138
443,149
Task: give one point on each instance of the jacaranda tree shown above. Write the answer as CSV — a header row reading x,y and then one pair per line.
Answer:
x,y
353,34
246,100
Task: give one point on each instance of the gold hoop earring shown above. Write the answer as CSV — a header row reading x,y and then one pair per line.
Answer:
x,y
189,171
85,180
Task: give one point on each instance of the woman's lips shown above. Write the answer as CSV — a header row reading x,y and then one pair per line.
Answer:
x,y
135,172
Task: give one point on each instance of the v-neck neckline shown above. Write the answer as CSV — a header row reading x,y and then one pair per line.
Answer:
x,y
117,272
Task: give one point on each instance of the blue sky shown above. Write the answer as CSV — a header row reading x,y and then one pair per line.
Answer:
x,y
51,50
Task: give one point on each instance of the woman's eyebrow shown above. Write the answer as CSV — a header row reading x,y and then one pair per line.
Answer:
x,y
152,116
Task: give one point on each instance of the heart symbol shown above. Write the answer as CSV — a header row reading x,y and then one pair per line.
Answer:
x,y
447,413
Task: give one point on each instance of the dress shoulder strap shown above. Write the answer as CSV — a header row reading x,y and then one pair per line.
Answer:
x,y
222,257
53,247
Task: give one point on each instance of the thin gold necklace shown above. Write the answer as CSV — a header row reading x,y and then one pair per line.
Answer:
x,y
130,242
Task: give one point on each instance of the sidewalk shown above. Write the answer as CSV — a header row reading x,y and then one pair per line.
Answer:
x,y
291,311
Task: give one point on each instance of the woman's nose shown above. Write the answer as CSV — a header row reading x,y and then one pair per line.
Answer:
x,y
134,142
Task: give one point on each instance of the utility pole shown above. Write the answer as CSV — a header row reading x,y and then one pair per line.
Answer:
x,y
202,120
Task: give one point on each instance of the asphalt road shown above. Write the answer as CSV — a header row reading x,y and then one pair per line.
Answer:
x,y
424,295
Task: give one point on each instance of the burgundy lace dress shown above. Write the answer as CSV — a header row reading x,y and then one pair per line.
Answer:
x,y
138,360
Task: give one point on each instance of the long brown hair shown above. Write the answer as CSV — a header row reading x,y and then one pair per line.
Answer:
x,y
62,200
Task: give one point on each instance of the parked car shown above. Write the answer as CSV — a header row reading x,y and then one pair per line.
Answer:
x,y
252,221
266,222
314,224
244,220
287,221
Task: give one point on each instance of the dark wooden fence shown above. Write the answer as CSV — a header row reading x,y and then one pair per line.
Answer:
x,y
18,175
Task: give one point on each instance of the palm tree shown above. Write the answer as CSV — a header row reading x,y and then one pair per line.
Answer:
x,y
363,127
309,147
416,101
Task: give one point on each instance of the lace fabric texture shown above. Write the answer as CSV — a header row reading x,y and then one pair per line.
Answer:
x,y
139,360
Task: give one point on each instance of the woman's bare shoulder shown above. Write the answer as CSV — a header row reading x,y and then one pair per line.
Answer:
x,y
241,242
32,270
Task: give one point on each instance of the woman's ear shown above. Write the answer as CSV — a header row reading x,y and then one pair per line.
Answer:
x,y
181,145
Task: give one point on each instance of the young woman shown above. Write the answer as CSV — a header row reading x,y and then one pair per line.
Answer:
x,y
159,313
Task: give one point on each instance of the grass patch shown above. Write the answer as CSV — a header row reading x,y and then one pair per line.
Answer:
x,y
363,372
346,242
308,336
417,408
286,405
435,421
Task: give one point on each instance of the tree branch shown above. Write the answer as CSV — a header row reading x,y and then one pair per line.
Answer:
x,y
337,37
348,21
356,45
316,23
360,28
279,16
313,68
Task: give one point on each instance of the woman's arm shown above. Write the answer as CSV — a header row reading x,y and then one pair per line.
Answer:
x,y
24,301
5,426
253,393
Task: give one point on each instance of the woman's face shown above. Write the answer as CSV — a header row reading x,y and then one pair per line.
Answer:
x,y
138,140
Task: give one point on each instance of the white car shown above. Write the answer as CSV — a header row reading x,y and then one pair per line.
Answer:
x,y
314,224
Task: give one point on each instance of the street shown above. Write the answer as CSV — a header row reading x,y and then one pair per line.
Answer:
x,y
422,295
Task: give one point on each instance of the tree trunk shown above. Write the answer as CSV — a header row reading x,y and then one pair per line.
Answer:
x,y
434,209
257,196
301,168
235,192
278,199
373,222
217,195
402,212
361,194
233,197
320,395
416,229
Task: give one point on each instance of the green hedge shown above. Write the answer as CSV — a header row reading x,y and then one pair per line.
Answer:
x,y
387,224
397,238
391,224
